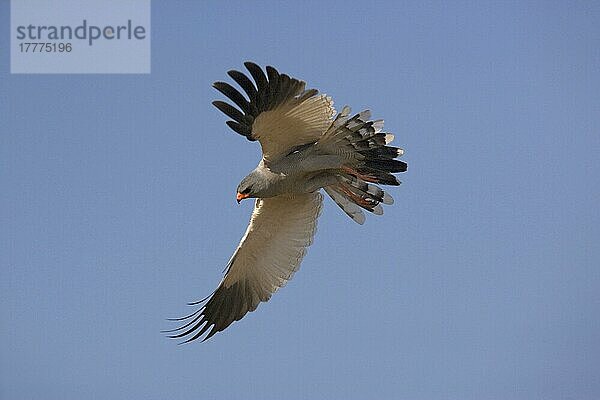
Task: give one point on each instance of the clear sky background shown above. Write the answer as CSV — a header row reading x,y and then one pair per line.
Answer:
x,y
482,281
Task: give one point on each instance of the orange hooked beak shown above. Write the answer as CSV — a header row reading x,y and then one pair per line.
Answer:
x,y
239,197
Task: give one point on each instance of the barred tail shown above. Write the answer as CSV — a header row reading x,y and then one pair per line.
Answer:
x,y
372,162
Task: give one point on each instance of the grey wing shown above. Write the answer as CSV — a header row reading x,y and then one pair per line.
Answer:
x,y
280,230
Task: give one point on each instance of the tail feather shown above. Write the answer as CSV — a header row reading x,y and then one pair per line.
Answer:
x,y
349,207
373,191
371,162
375,176
387,152
359,197
374,141
386,164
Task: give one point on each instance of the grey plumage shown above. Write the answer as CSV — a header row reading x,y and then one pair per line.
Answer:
x,y
305,149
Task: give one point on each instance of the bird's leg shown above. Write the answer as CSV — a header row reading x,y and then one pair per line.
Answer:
x,y
366,178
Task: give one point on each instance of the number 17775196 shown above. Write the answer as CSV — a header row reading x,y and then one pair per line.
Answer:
x,y
42,47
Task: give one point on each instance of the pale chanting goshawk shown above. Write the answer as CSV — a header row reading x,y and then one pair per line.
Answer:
x,y
305,149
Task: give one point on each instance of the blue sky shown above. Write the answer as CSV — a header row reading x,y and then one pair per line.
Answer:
x,y
482,281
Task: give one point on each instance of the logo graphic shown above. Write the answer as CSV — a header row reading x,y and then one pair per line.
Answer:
x,y
80,36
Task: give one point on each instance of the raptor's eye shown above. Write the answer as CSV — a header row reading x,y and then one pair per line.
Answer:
x,y
246,191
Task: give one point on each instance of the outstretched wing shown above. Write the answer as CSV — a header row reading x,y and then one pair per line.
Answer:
x,y
278,111
270,252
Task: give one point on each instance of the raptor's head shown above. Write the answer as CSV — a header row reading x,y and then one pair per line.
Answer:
x,y
251,186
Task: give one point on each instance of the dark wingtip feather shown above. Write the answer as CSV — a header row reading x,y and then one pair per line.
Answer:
x,y
268,91
244,82
186,317
272,73
229,110
234,95
192,321
257,74
243,130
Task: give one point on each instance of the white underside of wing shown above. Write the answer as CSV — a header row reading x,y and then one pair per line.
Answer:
x,y
291,125
271,250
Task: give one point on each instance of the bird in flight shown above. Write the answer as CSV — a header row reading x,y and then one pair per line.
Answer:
x,y
305,148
